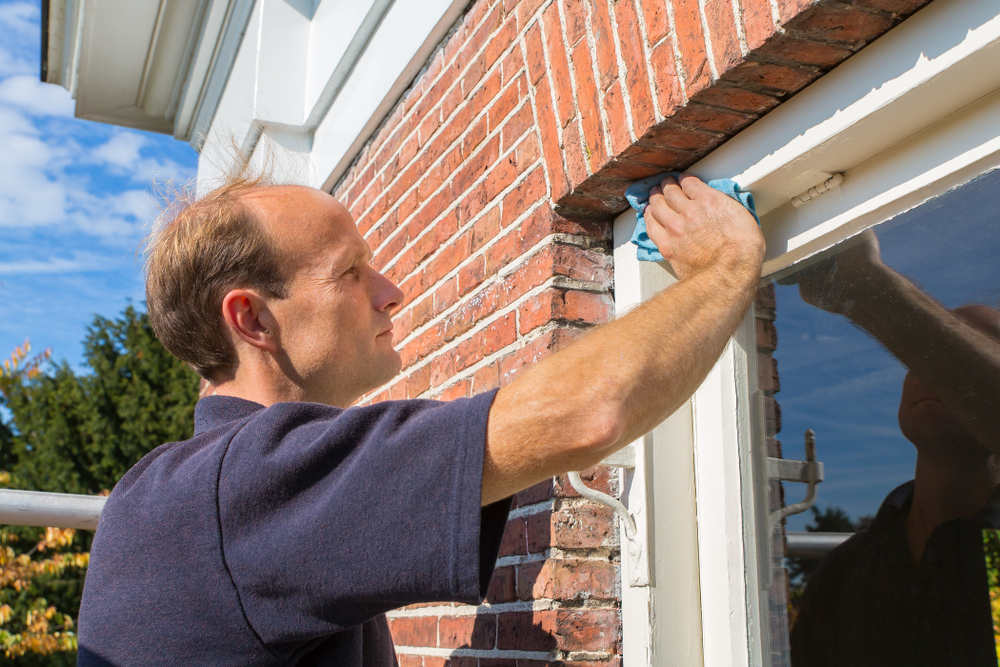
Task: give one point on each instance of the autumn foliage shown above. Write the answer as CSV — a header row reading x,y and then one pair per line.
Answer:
x,y
76,433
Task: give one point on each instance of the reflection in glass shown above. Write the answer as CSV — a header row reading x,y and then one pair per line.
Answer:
x,y
889,349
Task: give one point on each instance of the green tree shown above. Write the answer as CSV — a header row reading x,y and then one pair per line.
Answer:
x,y
77,433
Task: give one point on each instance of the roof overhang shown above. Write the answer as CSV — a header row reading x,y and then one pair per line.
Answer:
x,y
158,66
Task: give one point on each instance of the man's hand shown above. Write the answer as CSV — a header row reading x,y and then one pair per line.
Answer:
x,y
696,227
838,283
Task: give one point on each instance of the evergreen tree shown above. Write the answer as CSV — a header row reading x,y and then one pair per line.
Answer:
x,y
77,433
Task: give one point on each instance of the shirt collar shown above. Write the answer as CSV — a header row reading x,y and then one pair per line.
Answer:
x,y
215,411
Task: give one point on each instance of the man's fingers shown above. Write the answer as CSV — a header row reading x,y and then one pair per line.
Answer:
x,y
673,194
692,186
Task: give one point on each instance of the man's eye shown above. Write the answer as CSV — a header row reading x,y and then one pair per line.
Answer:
x,y
352,272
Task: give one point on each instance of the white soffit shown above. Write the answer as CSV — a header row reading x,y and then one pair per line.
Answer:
x,y
133,59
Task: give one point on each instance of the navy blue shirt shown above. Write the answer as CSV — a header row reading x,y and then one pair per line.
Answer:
x,y
281,535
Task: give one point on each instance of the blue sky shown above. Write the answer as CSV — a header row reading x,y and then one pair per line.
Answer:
x,y
76,199
843,384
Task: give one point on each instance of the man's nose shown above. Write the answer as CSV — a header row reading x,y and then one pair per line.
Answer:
x,y
387,297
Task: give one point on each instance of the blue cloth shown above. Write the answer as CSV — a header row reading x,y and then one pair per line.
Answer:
x,y
637,195
281,535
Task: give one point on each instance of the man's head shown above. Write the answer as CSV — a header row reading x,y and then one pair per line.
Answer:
x,y
274,282
924,419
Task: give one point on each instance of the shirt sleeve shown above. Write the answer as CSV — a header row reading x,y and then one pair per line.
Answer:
x,y
328,518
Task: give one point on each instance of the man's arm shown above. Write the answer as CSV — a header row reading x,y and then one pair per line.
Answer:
x,y
617,382
959,361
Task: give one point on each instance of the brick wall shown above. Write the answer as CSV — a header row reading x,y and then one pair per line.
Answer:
x,y
487,195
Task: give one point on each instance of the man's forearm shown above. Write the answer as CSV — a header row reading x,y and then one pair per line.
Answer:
x,y
961,362
615,383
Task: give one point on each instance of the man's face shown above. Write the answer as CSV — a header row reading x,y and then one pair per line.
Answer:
x,y
924,419
334,326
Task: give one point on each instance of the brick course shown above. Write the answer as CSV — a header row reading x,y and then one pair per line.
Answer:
x,y
486,195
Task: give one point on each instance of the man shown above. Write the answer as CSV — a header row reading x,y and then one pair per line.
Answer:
x,y
286,527
911,589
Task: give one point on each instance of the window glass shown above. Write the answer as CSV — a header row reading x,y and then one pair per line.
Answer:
x,y
888,349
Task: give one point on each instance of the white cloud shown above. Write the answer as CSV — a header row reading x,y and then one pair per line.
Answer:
x,y
76,263
31,95
121,150
20,17
11,64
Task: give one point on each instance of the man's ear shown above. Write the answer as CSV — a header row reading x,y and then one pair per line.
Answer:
x,y
247,316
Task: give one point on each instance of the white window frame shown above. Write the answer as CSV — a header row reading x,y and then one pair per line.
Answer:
x,y
913,115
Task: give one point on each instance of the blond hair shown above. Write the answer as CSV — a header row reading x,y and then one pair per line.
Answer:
x,y
200,249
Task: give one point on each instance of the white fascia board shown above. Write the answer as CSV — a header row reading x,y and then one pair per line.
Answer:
x,y
225,25
407,36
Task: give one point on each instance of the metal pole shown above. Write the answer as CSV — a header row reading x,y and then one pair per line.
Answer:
x,y
814,545
38,508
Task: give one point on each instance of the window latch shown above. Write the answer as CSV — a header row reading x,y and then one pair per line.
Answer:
x,y
809,471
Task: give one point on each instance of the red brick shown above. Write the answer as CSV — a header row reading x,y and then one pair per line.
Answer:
x,y
758,24
502,106
418,382
525,9
655,14
516,126
551,148
588,629
521,198
502,585
604,40
722,28
576,159
476,166
513,541
527,630
711,119
583,527
897,7
636,76
840,24
533,494
668,85
511,65
772,409
566,306
539,532
410,660
500,42
768,380
533,50
414,630
458,390
468,631
691,43
633,169
789,9
737,99
486,378
618,125
535,350
589,105
471,275
767,336
576,23
558,65
565,579
802,52
769,75
669,135
596,477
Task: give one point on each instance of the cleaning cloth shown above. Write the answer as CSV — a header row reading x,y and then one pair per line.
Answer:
x,y
637,195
